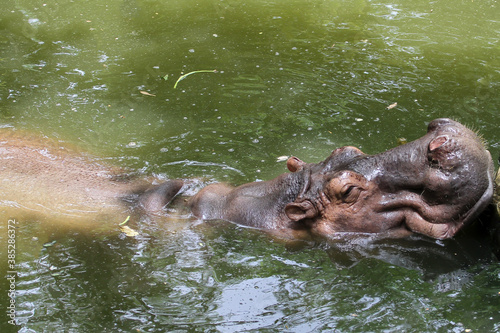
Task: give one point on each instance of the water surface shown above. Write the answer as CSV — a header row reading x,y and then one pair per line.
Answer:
x,y
293,77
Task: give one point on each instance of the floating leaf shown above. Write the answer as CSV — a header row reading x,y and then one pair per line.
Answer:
x,y
182,77
49,244
146,93
128,231
126,220
392,106
402,141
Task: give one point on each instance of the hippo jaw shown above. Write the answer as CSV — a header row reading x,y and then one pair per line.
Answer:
x,y
433,186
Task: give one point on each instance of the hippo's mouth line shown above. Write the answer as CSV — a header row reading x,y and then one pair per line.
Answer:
x,y
484,200
421,217
413,204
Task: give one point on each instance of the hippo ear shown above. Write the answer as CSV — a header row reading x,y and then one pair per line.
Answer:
x,y
294,164
297,211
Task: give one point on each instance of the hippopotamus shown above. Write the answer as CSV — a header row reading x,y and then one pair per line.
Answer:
x,y
434,186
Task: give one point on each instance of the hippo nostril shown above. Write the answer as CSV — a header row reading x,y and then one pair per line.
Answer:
x,y
437,142
440,153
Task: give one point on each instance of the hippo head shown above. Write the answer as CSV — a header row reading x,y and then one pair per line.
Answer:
x,y
432,186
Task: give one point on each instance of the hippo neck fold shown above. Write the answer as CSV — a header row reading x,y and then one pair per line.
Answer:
x,y
257,204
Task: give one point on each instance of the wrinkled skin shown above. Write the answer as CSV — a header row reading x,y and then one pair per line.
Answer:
x,y
433,186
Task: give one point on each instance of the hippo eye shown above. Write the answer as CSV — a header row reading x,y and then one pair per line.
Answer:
x,y
350,193
346,186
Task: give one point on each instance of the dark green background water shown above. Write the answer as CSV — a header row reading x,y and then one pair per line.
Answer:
x,y
293,77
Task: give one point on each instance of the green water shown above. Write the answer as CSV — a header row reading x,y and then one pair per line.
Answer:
x,y
293,77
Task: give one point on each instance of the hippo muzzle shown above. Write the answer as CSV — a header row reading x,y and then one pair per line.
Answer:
x,y
433,186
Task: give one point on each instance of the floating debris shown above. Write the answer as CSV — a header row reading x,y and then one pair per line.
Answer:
x,y
146,93
126,220
129,232
182,77
392,106
282,158
49,244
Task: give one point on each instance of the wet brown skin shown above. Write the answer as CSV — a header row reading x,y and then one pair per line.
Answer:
x,y
433,186
44,179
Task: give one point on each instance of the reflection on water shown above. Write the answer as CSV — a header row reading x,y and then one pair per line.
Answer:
x,y
250,304
297,77
227,278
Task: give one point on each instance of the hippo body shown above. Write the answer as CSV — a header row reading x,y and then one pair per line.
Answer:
x,y
44,179
434,186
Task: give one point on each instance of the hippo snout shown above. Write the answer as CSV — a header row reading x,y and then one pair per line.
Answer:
x,y
452,145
